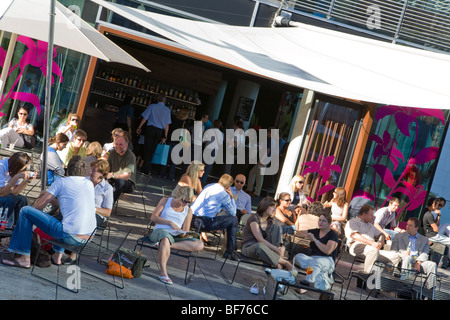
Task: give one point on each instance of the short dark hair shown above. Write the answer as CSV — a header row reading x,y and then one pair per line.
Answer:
x,y
365,209
316,208
416,221
76,167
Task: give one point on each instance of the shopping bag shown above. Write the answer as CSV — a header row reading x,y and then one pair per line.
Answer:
x,y
161,154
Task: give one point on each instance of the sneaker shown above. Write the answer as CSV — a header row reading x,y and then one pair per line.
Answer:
x,y
254,289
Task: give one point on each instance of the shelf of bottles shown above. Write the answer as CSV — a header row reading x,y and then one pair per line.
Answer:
x,y
144,91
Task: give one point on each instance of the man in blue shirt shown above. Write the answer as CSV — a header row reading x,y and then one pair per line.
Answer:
x,y
213,199
157,116
243,199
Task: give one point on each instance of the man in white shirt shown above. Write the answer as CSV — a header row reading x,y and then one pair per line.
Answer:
x,y
213,199
243,199
76,198
361,235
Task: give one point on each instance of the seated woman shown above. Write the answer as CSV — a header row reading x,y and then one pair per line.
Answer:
x,y
71,126
172,215
93,153
324,242
191,177
284,215
16,127
339,209
295,190
263,239
55,166
14,178
76,147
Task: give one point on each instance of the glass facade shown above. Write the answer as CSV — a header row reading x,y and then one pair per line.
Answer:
x,y
27,76
328,147
400,157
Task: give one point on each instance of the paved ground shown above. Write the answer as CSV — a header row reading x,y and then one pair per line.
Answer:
x,y
206,285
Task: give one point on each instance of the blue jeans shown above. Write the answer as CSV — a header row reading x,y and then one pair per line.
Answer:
x,y
14,203
229,223
21,239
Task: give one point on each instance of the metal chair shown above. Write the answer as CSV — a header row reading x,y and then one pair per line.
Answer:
x,y
141,184
436,287
388,278
242,259
145,242
103,243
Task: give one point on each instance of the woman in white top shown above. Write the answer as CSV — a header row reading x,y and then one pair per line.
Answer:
x,y
17,126
339,209
171,216
71,126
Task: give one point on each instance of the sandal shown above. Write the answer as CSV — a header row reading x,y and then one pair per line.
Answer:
x,y
165,279
15,263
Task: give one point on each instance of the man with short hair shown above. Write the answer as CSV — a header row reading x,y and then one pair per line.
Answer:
x,y
361,235
122,164
213,199
158,118
242,198
413,249
76,198
385,219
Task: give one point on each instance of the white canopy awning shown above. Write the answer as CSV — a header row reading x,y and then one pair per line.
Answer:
x,y
314,58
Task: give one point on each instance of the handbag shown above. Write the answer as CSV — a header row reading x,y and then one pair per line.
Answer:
x,y
161,154
131,260
29,142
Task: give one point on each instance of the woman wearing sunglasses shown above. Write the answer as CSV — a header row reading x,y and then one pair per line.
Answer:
x,y
18,126
172,218
284,214
71,126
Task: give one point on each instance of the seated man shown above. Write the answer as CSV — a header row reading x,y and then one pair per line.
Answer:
x,y
361,234
385,219
122,163
76,198
413,248
432,225
243,199
213,198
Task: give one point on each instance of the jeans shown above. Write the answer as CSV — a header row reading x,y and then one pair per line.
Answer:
x,y
121,186
14,203
230,223
21,239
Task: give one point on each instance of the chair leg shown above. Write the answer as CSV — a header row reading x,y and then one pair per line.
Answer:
x,y
235,271
187,278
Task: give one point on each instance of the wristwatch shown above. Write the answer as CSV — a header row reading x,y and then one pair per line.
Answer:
x,y
112,175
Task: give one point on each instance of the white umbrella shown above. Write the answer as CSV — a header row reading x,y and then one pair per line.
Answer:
x,y
48,20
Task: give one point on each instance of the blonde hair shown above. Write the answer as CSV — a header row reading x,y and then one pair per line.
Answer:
x,y
95,149
226,180
192,171
183,193
295,179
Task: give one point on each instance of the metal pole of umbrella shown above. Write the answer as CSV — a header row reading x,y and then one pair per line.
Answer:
x,y
48,97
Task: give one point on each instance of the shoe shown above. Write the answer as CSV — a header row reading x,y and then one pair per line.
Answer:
x,y
69,261
165,280
254,289
232,255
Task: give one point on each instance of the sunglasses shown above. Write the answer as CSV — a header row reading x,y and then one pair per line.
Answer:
x,y
186,201
287,200
76,120
240,182
23,114
301,182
